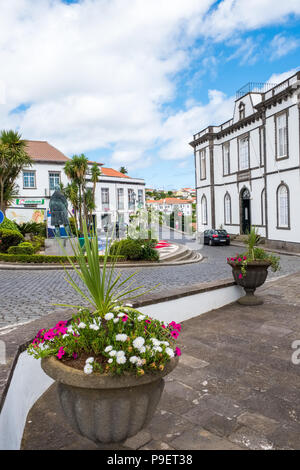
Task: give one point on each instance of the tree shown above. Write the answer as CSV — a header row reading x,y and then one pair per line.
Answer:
x,y
71,191
90,206
95,175
76,170
123,170
13,158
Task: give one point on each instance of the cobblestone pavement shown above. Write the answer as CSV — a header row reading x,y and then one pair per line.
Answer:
x,y
27,295
235,386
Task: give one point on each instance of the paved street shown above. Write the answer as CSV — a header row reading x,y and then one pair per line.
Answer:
x,y
26,295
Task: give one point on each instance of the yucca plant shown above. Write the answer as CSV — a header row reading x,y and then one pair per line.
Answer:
x,y
104,290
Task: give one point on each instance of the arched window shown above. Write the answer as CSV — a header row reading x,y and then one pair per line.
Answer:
x,y
204,210
227,209
241,110
283,206
263,207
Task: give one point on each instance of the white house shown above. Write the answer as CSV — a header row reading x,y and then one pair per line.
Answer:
x,y
248,168
171,204
117,195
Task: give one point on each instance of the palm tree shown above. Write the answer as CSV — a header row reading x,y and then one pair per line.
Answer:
x,y
95,175
123,170
76,170
71,192
13,158
89,205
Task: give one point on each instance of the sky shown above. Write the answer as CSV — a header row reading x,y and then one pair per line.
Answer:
x,y
128,82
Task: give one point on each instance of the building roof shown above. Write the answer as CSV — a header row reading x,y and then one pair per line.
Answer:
x,y
40,150
112,172
170,201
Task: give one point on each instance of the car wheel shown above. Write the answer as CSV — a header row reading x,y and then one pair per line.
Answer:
x,y
227,243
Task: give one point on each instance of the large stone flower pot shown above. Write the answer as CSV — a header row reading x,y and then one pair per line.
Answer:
x,y
256,274
104,408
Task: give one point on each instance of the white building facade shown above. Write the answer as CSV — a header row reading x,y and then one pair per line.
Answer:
x,y
117,195
169,205
247,169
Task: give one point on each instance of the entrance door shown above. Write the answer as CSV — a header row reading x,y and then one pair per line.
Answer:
x,y
246,211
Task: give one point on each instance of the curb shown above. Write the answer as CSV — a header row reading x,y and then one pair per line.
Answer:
x,y
280,252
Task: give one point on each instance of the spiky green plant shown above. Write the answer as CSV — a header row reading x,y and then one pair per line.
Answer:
x,y
104,291
253,239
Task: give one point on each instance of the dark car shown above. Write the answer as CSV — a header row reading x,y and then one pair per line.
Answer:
x,y
216,237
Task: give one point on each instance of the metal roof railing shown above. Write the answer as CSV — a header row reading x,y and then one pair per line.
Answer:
x,y
254,87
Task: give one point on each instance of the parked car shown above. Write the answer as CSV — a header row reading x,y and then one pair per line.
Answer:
x,y
216,237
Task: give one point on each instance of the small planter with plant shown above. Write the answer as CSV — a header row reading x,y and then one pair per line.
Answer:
x,y
110,359
250,269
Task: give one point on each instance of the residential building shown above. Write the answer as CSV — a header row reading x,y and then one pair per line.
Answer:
x,y
248,168
171,204
117,195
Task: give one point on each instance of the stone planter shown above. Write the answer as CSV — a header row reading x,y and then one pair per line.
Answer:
x,y
256,274
107,409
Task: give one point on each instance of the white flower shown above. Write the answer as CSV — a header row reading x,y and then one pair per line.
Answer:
x,y
116,320
88,369
109,316
43,346
155,341
139,362
94,327
128,305
138,342
141,317
65,336
112,353
165,343
70,329
110,361
121,359
108,348
133,359
121,337
120,353
170,352
89,360
157,349
82,325
120,315
142,349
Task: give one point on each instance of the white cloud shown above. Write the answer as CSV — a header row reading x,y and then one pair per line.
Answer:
x,y
96,74
282,45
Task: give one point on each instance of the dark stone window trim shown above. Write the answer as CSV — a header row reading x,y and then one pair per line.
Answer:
x,y
225,144
241,137
286,112
230,213
278,227
204,198
202,152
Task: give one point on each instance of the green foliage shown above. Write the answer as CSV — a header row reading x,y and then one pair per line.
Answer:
x,y
73,225
9,224
33,228
9,238
48,259
138,249
105,288
24,248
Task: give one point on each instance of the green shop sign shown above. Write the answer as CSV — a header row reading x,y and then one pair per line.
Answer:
x,y
24,202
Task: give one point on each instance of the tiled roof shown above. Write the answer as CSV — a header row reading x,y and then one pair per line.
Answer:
x,y
112,172
169,200
40,150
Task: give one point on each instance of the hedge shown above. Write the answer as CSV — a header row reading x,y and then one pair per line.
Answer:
x,y
24,248
9,238
47,259
8,224
135,249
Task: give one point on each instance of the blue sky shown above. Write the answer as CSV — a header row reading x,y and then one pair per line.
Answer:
x,y
128,82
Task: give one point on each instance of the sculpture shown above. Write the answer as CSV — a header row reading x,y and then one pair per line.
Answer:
x,y
59,212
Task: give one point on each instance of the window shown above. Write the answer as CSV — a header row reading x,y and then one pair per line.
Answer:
x,y
227,209
29,179
141,197
131,199
263,201
54,180
226,158
120,202
105,199
261,147
203,164
244,153
281,135
241,111
283,206
204,210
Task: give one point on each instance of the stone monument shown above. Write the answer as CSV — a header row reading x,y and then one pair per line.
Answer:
x,y
59,216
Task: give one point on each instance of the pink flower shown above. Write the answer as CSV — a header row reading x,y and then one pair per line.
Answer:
x,y
232,259
175,334
49,335
245,257
177,352
163,326
60,324
125,318
61,353
147,321
240,276
240,260
75,355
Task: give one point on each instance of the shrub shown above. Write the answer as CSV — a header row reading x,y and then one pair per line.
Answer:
x,y
38,242
8,224
73,225
130,249
9,238
24,248
34,228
